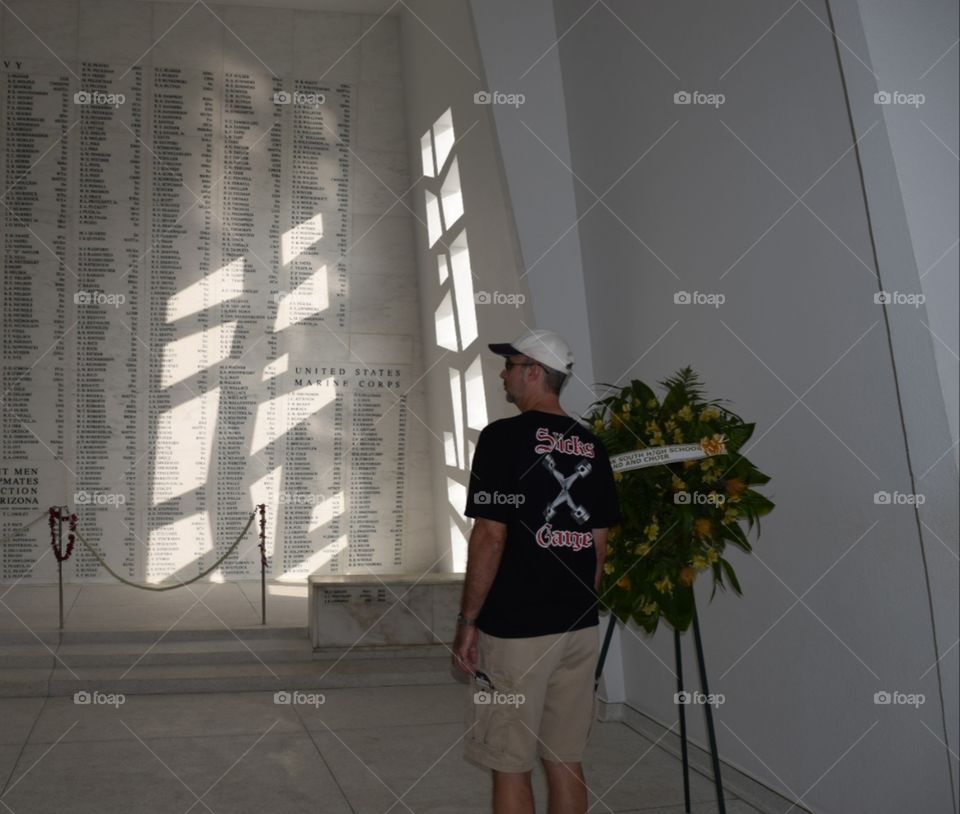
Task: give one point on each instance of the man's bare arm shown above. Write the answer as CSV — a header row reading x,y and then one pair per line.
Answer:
x,y
600,544
484,551
487,541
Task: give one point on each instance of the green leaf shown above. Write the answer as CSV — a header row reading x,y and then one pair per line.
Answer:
x,y
642,392
734,534
731,575
759,504
738,435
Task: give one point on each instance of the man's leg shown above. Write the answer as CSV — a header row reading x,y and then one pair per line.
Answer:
x,y
568,789
512,793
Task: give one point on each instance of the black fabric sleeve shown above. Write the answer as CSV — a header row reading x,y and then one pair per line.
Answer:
x,y
489,475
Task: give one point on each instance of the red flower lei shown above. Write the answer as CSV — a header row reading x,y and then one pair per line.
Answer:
x,y
263,534
55,516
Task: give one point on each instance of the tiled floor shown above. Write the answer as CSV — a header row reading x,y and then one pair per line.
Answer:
x,y
381,749
360,750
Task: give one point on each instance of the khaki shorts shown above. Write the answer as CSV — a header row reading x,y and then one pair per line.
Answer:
x,y
542,702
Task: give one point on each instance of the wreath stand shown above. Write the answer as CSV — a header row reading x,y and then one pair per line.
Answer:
x,y
711,731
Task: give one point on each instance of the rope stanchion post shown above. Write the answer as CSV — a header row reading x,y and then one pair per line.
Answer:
x,y
262,508
55,517
60,563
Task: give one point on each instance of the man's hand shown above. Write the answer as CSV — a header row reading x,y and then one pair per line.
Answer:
x,y
484,550
465,649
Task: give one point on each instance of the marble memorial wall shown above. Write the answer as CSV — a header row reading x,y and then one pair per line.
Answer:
x,y
208,292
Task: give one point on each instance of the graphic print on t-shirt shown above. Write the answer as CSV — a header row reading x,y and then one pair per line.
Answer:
x,y
579,513
550,443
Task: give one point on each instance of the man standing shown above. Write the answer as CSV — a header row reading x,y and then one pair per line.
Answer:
x,y
543,496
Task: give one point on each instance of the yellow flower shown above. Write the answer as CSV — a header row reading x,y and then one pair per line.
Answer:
x,y
685,413
678,484
651,426
652,531
650,608
642,550
709,413
670,425
730,515
651,403
664,585
608,568
702,527
624,582
678,436
701,563
712,555
657,440
598,425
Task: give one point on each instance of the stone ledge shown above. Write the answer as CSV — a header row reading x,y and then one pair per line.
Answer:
x,y
367,610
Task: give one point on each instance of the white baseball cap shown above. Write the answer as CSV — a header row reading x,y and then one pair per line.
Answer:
x,y
545,347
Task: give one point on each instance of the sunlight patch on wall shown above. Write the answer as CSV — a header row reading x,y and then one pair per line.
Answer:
x,y
463,289
301,237
445,324
288,410
476,399
184,439
310,297
186,357
224,284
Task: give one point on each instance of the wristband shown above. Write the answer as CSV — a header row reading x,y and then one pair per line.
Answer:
x,y
463,620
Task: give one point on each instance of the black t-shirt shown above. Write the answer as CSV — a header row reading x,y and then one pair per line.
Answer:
x,y
549,480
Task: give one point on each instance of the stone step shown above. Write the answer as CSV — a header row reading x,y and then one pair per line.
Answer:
x,y
308,676
24,682
124,654
146,635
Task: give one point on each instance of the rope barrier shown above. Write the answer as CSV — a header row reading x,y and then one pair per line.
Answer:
x,y
124,580
144,587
